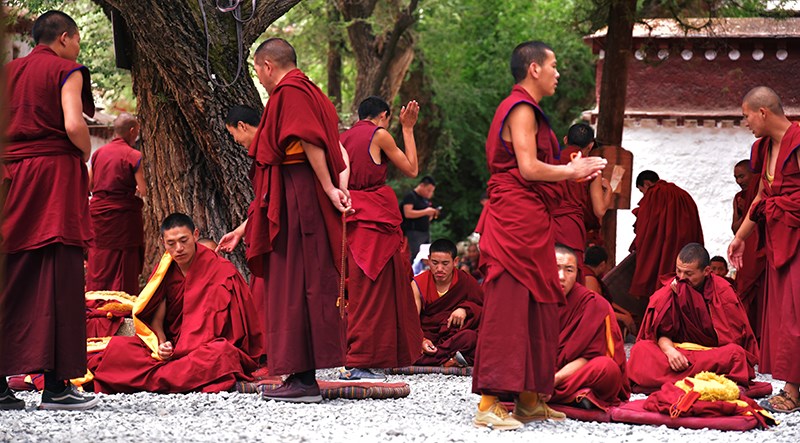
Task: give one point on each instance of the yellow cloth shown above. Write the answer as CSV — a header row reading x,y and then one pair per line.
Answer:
x,y
711,387
691,347
142,329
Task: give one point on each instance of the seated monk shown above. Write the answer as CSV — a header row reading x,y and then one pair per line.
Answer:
x,y
591,353
694,323
719,266
595,265
449,303
195,324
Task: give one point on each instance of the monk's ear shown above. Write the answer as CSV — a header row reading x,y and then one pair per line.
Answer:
x,y
196,235
456,261
242,126
533,70
707,271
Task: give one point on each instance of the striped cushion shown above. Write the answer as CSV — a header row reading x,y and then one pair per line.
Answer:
x,y
412,370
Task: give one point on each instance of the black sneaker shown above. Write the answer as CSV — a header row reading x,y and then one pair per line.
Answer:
x,y
70,399
8,402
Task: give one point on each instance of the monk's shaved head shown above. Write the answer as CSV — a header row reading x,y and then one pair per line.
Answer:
x,y
50,25
743,164
647,175
763,97
564,249
525,54
694,253
580,135
278,51
123,124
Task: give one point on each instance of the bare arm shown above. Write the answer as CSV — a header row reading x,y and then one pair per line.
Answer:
x,y
344,176
569,369
410,212
677,361
316,157
736,248
406,161
229,241
91,178
522,126
72,106
141,187
600,193
157,322
417,296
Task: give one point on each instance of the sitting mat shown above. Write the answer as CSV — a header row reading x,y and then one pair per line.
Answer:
x,y
413,370
634,413
333,390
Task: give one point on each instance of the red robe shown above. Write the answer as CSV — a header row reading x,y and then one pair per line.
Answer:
x,y
294,233
117,256
666,221
519,332
568,219
714,319
210,321
465,293
383,328
45,222
749,282
780,209
589,330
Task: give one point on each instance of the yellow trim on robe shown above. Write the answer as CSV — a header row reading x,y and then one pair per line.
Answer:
x,y
609,337
295,153
691,346
142,329
79,382
122,297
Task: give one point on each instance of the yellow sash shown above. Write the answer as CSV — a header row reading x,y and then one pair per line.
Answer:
x,y
142,329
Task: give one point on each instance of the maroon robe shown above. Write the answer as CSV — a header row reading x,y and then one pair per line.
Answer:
x,y
568,218
45,222
749,281
211,323
517,342
715,319
383,328
666,221
117,256
465,293
294,233
779,208
589,330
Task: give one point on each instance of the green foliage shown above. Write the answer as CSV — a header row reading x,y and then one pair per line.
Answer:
x,y
467,45
112,86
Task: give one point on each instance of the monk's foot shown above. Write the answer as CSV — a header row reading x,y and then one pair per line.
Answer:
x,y
70,399
496,417
8,402
527,413
294,390
782,403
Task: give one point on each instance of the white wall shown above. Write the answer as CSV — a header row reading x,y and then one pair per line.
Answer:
x,y
697,159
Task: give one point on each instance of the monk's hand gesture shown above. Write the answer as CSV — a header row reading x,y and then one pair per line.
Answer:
x,y
457,318
677,361
586,168
735,252
673,285
340,200
165,350
428,347
409,114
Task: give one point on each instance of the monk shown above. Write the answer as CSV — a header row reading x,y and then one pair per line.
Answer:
x,y
383,329
595,265
517,342
45,222
242,123
694,323
294,231
750,276
719,266
777,207
666,219
579,198
116,179
195,324
591,352
449,302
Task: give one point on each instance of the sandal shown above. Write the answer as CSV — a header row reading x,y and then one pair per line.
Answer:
x,y
782,403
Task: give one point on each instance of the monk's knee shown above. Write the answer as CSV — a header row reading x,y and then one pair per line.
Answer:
x,y
607,369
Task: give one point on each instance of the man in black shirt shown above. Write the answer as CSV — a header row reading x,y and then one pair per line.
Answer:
x,y
418,213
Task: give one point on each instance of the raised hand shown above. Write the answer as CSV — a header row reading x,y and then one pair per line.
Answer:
x,y
409,114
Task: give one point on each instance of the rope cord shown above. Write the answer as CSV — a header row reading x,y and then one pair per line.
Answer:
x,y
235,8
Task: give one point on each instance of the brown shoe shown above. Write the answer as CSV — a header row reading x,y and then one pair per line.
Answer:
x,y
539,412
496,417
293,390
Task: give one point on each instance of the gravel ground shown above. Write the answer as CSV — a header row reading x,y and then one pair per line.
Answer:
x,y
440,408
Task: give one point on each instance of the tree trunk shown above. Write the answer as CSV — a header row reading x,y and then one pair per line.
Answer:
x,y
427,130
191,163
382,59
613,88
335,47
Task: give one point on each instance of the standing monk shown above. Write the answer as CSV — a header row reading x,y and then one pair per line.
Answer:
x,y
666,220
46,222
383,328
579,199
775,155
517,341
116,179
294,234
750,276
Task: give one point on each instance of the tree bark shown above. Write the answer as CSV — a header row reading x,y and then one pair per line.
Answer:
x,y
382,57
427,130
191,164
335,48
